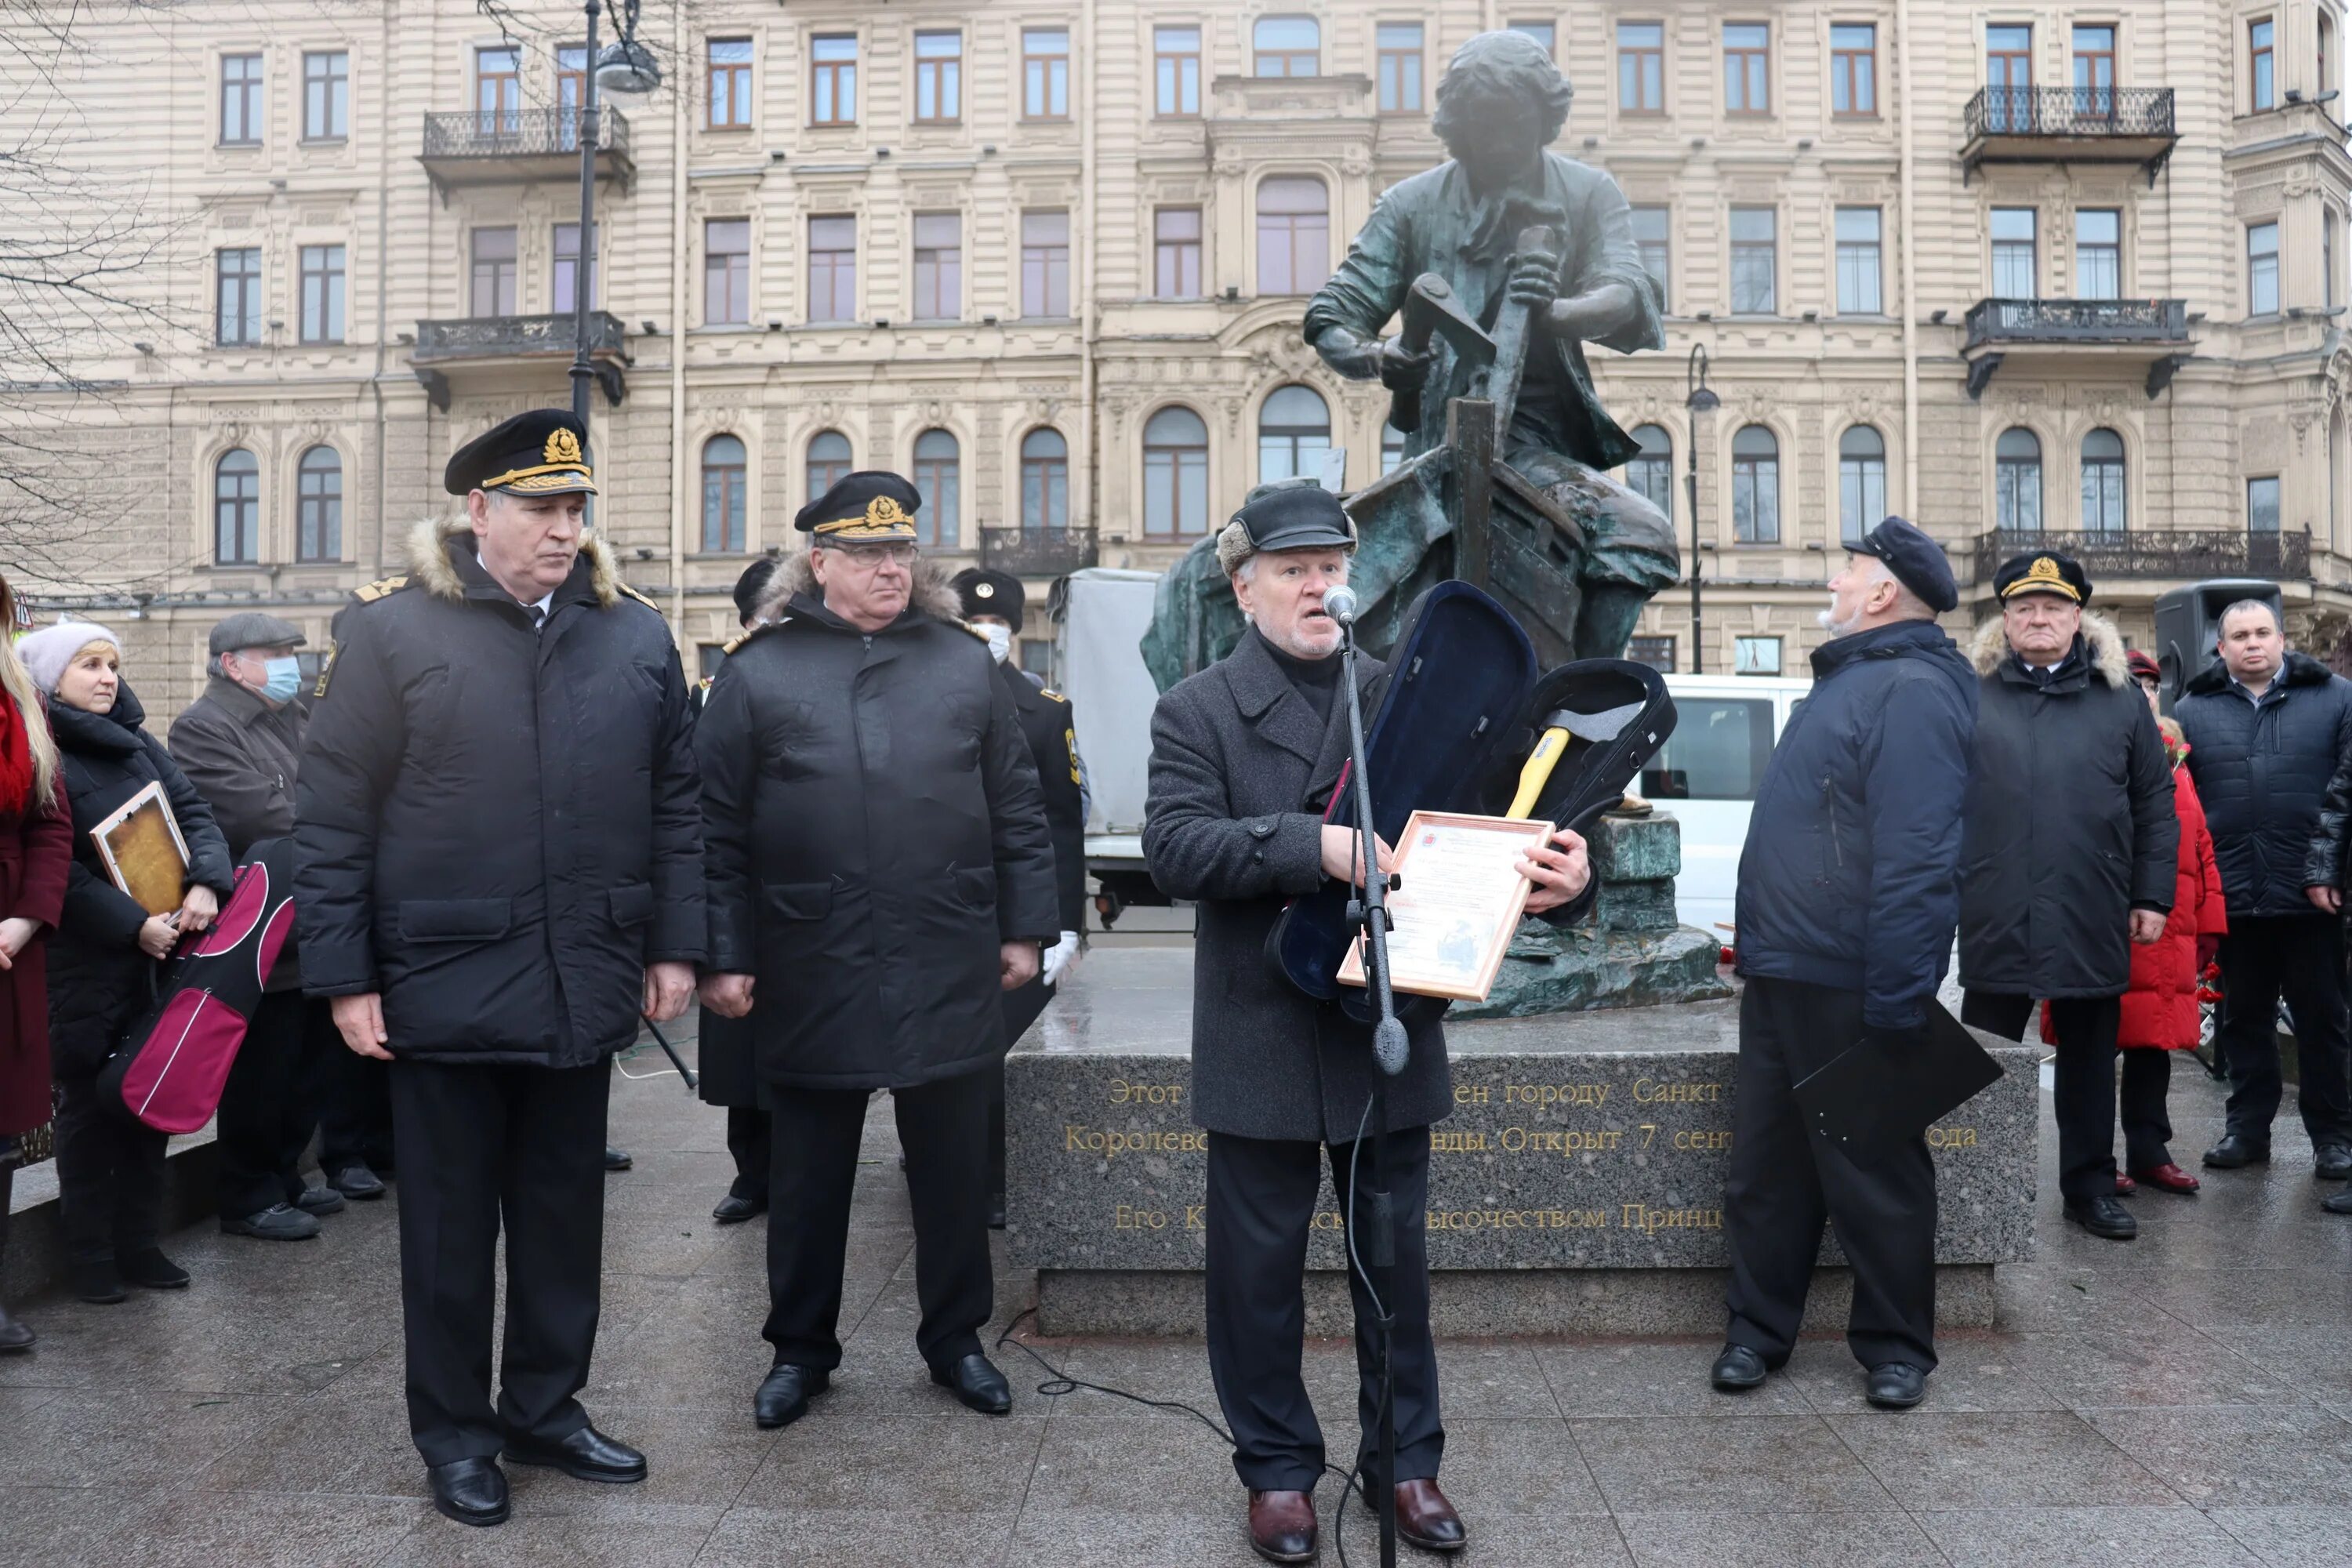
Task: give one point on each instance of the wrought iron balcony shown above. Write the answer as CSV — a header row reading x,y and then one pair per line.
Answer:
x,y
1037,552
2073,124
2165,552
2078,321
484,147
445,346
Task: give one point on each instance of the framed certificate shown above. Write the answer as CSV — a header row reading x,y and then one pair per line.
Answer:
x,y
1458,900
141,843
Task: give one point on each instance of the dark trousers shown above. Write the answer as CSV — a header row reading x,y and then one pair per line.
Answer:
x,y
481,1149
354,1112
943,1127
269,1105
2084,1094
1262,1200
110,1177
2147,1123
749,1139
1785,1183
2300,957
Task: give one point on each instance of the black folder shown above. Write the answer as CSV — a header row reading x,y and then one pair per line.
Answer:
x,y
1868,1097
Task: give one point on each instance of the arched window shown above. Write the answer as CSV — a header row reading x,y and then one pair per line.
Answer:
x,y
828,461
2103,482
2017,481
1755,486
1649,473
1862,482
236,508
1175,474
724,471
1287,46
1293,235
319,509
1294,431
1045,481
939,479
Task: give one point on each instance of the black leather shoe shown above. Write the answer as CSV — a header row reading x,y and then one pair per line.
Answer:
x,y
1737,1370
732,1210
320,1200
784,1393
471,1491
616,1158
976,1382
97,1281
148,1266
2104,1217
2332,1162
586,1455
2340,1204
16,1338
357,1183
1896,1385
996,1211
2236,1149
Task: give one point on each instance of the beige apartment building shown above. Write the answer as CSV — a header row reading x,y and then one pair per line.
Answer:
x,y
2073,273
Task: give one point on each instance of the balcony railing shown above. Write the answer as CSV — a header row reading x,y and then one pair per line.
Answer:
x,y
2078,321
517,337
2165,553
1037,552
520,133
2071,111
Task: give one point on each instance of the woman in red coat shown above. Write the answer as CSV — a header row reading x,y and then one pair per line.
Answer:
x,y
35,847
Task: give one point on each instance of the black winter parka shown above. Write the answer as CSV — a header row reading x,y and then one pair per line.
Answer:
x,y
2262,769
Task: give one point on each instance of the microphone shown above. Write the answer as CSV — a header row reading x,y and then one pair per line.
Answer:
x,y
1390,1045
1340,604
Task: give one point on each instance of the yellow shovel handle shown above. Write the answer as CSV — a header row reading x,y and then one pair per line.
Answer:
x,y
1538,772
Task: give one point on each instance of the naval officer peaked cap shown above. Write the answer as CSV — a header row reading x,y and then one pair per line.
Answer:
x,y
1917,561
865,506
2042,571
540,452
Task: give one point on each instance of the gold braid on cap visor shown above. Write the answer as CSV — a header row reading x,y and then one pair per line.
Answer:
x,y
883,518
546,477
2042,577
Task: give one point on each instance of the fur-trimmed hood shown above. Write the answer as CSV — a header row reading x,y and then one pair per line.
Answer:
x,y
932,595
2099,635
428,559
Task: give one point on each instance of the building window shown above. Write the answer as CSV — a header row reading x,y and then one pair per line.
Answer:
x,y
319,506
939,78
1294,431
1176,253
2263,505
1044,73
238,313
240,121
1544,33
1755,656
236,508
2325,57
1294,236
939,267
2012,254
2094,72
1641,68
1657,652
1045,265
1287,46
833,79
1862,482
1176,70
2262,59
326,96
2103,482
1853,68
571,93
1652,226
833,268
493,284
2017,481
1399,44
2262,268
498,92
726,272
828,462
1649,473
1045,481
1175,474
566,279
1392,448
939,479
1755,486
1754,261
2098,254
1748,67
724,468
1858,269
322,293
2008,78
2327,256
730,84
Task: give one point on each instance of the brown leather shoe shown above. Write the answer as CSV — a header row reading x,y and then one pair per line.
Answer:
x,y
1282,1526
1424,1519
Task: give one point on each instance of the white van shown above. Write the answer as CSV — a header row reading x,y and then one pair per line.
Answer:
x,y
1706,774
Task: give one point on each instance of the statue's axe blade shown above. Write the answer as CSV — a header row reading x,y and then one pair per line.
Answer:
x,y
1431,310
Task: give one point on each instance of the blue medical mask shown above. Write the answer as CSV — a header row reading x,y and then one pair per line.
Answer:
x,y
285,679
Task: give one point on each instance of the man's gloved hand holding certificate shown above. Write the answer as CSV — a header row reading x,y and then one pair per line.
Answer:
x,y
1885,1088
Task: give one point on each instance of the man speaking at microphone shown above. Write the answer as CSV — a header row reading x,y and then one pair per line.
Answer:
x,y
1244,756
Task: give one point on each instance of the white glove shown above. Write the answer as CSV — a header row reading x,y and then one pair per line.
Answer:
x,y
1059,957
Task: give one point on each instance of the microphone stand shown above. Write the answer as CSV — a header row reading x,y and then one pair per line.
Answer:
x,y
1368,911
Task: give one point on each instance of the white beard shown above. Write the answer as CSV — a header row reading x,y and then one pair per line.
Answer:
x,y
1835,627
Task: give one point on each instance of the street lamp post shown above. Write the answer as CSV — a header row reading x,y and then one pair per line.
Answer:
x,y
1698,400
623,66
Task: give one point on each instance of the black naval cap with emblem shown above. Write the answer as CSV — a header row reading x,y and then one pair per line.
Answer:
x,y
1917,561
866,507
2042,571
987,592
539,452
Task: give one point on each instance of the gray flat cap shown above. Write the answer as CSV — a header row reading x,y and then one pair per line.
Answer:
x,y
251,629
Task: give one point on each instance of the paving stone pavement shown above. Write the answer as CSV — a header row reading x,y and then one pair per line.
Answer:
x,y
2185,1399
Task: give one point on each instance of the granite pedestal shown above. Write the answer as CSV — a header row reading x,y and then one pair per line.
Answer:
x,y
1577,1188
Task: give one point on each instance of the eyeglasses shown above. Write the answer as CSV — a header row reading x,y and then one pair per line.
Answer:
x,y
867,557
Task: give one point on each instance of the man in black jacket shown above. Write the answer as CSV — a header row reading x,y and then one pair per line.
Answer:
x,y
2267,729
2067,849
1244,756
879,872
1848,894
499,877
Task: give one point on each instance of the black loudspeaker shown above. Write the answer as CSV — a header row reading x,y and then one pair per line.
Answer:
x,y
2188,626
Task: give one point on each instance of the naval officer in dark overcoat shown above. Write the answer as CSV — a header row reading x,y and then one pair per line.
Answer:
x,y
1244,756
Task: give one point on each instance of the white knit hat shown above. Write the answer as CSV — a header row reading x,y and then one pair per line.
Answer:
x,y
47,652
